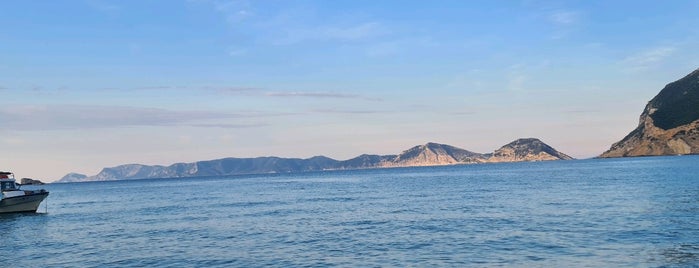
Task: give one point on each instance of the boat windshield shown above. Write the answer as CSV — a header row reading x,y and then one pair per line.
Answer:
x,y
8,185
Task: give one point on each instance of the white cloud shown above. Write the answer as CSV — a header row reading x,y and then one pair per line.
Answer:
x,y
648,58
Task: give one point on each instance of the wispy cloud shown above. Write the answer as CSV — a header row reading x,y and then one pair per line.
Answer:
x,y
13,141
236,52
154,88
649,58
564,22
305,94
38,90
463,113
395,46
235,11
515,81
516,77
236,90
353,32
65,117
249,91
102,5
293,34
313,95
582,111
292,26
339,111
231,126
219,89
564,17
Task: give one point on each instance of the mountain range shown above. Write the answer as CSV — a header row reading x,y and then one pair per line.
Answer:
x,y
430,154
668,125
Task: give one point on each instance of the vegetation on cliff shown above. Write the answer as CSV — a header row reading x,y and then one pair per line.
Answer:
x,y
669,124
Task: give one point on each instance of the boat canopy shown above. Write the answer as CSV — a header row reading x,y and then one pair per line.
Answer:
x,y
8,185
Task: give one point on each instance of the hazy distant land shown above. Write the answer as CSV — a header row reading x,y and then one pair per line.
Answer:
x,y
669,124
430,154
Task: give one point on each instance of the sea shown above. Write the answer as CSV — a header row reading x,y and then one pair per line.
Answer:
x,y
630,212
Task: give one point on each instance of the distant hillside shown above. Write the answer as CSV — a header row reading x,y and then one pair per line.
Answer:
x,y
430,154
365,161
73,177
669,124
527,150
433,154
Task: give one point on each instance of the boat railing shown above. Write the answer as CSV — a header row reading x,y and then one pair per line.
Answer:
x,y
7,175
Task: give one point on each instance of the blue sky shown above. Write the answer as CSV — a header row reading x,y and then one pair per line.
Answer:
x,y
96,83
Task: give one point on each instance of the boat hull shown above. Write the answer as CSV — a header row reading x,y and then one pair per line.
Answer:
x,y
24,203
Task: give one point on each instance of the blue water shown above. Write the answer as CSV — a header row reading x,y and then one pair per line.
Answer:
x,y
601,212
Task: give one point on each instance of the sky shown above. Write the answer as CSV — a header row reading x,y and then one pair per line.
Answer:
x,y
88,84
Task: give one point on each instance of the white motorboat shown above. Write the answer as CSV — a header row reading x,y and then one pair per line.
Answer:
x,y
13,199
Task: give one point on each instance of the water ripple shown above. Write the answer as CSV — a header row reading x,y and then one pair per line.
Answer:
x,y
587,213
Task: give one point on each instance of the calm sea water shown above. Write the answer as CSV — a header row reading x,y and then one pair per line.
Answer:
x,y
614,212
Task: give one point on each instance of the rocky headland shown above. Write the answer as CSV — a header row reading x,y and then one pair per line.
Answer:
x,y
669,124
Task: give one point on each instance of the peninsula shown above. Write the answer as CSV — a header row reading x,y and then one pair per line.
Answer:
x,y
669,124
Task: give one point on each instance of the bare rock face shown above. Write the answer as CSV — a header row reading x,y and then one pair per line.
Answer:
x,y
669,124
529,149
434,154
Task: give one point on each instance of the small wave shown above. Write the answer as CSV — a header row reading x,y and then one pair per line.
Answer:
x,y
329,199
682,254
253,204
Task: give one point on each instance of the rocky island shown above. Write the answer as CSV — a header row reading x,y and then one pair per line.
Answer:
x,y
526,150
28,181
430,154
669,124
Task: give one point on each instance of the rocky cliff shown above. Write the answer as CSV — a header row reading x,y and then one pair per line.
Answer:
x,y
430,154
669,124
